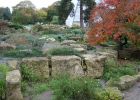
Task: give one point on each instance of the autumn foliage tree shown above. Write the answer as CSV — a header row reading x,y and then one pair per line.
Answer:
x,y
117,19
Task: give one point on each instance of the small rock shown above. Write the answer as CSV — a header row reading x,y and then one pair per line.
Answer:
x,y
125,82
6,46
81,50
68,42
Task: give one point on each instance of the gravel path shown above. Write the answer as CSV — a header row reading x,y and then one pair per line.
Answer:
x,y
133,93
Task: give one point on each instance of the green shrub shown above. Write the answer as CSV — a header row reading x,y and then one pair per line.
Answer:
x,y
51,31
21,54
113,70
3,70
40,88
78,31
65,88
62,51
28,74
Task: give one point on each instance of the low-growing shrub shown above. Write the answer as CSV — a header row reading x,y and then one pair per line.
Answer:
x,y
23,53
15,26
28,74
62,51
113,70
3,70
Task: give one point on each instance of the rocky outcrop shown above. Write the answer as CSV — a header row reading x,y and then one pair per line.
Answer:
x,y
67,64
6,46
94,65
13,81
37,65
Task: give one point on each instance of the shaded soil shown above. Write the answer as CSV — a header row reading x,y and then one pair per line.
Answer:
x,y
133,93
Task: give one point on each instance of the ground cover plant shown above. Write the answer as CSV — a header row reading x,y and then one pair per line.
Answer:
x,y
3,70
114,70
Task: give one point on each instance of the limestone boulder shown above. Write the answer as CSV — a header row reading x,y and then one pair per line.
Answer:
x,y
13,81
125,82
6,46
109,54
94,65
137,77
13,64
81,50
67,64
68,42
37,65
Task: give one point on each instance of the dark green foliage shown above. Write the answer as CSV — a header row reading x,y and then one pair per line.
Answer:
x,y
113,70
62,51
89,6
15,26
5,13
64,10
3,70
66,88
51,31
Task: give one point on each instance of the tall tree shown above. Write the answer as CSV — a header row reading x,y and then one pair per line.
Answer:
x,y
24,13
115,19
52,11
7,14
85,8
64,10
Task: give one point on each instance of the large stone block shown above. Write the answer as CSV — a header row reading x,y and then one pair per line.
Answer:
x,y
94,65
126,82
38,66
67,64
13,81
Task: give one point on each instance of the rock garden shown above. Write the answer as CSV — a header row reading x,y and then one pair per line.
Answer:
x,y
47,64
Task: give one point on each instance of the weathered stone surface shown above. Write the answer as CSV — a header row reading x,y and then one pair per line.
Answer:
x,y
67,64
38,65
94,65
6,46
137,77
13,64
81,50
125,82
109,54
13,81
68,42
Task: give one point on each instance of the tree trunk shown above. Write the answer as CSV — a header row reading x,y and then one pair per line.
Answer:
x,y
81,14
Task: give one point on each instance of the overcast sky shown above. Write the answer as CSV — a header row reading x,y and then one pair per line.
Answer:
x,y
37,3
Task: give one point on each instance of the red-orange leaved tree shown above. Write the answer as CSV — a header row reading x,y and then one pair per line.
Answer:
x,y
114,19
